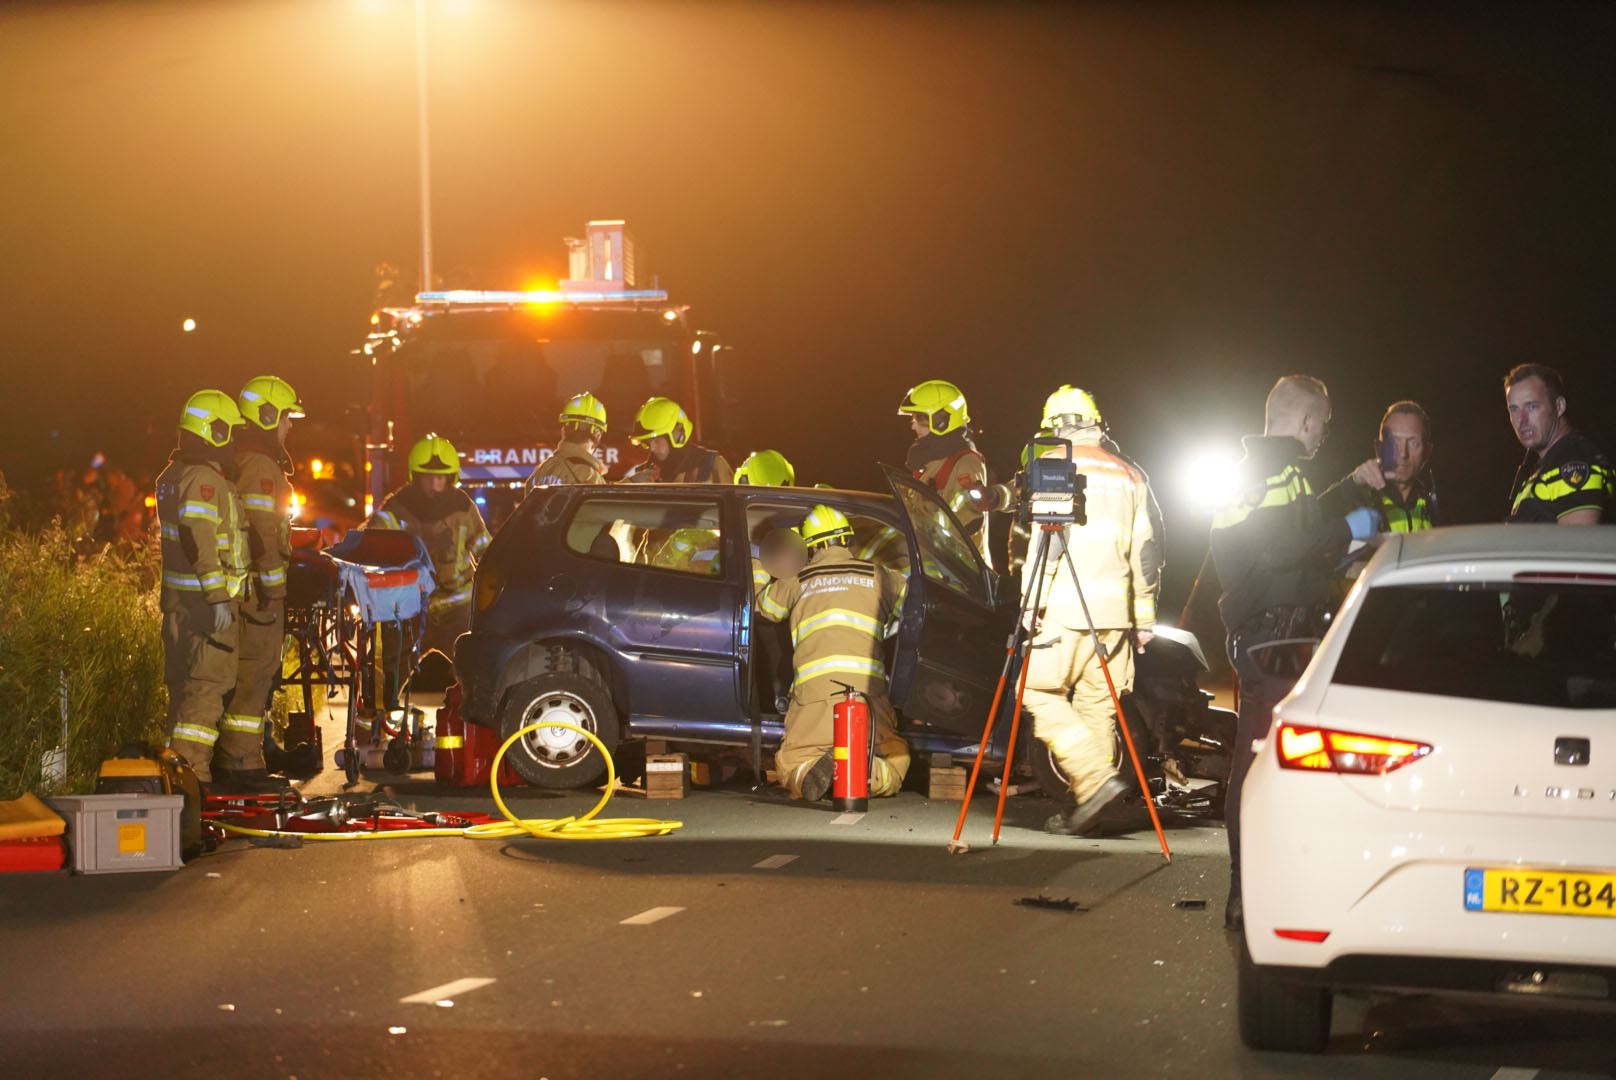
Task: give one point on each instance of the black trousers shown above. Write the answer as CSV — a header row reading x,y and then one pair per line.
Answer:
x,y
1259,693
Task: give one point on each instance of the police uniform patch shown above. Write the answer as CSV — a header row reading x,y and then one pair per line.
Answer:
x,y
1575,473
207,491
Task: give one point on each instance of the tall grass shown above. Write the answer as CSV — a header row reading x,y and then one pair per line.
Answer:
x,y
76,628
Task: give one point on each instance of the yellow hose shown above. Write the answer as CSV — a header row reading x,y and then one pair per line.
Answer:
x,y
567,828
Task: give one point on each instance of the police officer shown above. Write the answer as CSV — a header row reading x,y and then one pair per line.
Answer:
x,y
838,607
448,522
1274,548
1118,560
944,455
583,422
263,480
204,569
664,429
1572,482
1397,480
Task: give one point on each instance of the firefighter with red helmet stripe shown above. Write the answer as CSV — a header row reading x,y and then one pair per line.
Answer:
x,y
944,455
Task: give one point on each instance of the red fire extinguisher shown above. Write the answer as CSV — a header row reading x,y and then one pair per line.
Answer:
x,y
850,791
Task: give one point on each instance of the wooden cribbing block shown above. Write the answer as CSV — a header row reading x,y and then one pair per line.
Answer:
x,y
667,776
944,779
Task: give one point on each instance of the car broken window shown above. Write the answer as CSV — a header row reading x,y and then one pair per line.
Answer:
x,y
680,535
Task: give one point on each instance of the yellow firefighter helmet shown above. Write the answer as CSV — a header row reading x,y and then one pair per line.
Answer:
x,y
824,524
266,399
1070,407
766,468
586,410
941,403
434,455
661,416
210,415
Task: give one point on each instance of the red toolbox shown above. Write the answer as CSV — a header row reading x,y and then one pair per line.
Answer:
x,y
463,753
33,853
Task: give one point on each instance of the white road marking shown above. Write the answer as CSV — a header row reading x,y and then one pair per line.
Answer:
x,y
774,862
847,819
1509,1072
445,992
650,915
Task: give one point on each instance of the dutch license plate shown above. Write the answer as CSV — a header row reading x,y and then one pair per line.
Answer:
x,y
1540,892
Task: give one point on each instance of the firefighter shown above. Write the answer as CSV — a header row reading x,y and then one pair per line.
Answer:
x,y
839,607
1565,478
1118,559
449,523
583,422
204,570
944,455
663,428
264,483
1397,481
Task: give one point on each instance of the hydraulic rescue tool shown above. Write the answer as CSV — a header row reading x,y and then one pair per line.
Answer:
x,y
140,770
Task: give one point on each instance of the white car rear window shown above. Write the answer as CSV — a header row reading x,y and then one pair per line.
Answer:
x,y
1549,644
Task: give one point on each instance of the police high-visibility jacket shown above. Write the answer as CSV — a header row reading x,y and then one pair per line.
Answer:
x,y
199,518
1117,555
839,607
1273,546
1416,513
266,502
1573,474
452,529
571,463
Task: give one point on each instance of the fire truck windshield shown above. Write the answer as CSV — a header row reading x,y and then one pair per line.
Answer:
x,y
504,374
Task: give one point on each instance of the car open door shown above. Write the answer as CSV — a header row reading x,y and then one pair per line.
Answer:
x,y
951,644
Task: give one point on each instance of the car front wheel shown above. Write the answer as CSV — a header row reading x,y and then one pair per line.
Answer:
x,y
553,756
1279,1015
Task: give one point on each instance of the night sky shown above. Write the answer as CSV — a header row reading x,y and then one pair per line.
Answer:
x,y
1168,204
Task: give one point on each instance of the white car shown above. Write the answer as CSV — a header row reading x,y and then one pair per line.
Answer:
x,y
1434,808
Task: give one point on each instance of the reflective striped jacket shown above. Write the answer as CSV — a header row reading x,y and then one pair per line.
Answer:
x,y
1272,545
266,502
199,519
965,471
570,463
1117,555
839,607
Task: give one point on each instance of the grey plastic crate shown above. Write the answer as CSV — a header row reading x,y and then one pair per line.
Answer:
x,y
120,834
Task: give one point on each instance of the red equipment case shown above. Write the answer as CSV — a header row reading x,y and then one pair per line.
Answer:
x,y
463,753
33,853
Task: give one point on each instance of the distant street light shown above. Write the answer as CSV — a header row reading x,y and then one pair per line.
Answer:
x,y
188,325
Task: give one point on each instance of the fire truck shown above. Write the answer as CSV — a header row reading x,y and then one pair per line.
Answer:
x,y
490,370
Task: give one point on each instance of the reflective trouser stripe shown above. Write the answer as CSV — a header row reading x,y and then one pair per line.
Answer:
x,y
252,725
190,733
272,577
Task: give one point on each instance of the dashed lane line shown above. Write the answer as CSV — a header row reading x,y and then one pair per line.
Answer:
x,y
650,915
774,862
447,992
849,818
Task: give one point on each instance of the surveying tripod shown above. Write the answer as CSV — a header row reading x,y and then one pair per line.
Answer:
x,y
1049,526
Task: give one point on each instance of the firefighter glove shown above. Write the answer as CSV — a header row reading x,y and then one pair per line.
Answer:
x,y
222,618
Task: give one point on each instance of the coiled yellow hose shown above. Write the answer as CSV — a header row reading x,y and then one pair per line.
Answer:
x,y
587,827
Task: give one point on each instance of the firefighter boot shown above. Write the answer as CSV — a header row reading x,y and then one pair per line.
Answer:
x,y
1074,821
246,782
817,780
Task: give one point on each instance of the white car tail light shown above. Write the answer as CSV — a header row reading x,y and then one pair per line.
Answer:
x,y
1327,750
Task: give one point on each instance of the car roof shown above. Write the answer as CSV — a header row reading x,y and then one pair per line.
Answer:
x,y
1512,543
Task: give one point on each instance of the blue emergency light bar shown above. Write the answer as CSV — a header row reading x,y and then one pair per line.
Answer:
x,y
541,296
